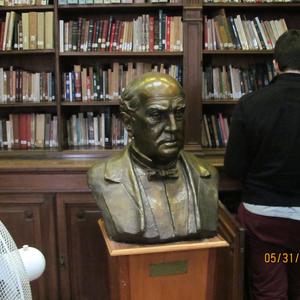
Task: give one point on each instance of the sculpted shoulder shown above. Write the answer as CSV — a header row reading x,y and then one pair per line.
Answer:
x,y
201,166
109,169
96,173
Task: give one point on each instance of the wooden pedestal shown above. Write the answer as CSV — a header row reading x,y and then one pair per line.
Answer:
x,y
177,271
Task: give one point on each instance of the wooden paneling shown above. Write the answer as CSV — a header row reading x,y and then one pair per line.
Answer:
x,y
30,220
47,204
83,263
192,27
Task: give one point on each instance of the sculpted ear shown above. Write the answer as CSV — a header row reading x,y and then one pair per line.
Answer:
x,y
127,120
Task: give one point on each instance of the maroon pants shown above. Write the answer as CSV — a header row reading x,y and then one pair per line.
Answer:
x,y
272,255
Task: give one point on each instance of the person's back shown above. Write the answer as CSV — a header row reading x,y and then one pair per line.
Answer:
x,y
263,153
271,118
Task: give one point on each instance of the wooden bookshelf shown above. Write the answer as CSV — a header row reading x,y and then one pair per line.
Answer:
x,y
193,57
222,61
58,62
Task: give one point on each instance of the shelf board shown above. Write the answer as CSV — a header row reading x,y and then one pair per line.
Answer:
x,y
21,52
237,52
213,151
57,154
215,155
118,53
120,6
92,103
27,8
252,5
88,152
30,104
218,101
29,153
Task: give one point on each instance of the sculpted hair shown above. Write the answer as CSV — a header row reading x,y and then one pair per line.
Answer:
x,y
287,50
130,97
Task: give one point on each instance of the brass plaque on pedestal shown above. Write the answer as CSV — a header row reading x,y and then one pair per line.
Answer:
x,y
168,268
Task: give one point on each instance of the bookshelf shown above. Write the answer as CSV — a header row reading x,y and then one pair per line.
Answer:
x,y
218,60
193,60
60,61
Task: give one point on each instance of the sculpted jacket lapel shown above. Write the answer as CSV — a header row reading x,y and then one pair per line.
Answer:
x,y
120,171
202,178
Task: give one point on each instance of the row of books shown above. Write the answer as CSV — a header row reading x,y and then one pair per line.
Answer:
x,y
228,82
145,33
84,2
107,82
28,131
23,2
28,30
215,130
103,129
17,85
223,32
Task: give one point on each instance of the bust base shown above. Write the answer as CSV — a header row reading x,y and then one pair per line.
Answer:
x,y
181,270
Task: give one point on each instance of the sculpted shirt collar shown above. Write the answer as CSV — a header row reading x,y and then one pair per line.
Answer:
x,y
120,167
169,170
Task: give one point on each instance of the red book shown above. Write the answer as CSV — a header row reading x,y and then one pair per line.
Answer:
x,y
28,131
168,22
112,36
2,27
23,131
151,33
77,73
15,124
121,35
88,88
104,34
115,45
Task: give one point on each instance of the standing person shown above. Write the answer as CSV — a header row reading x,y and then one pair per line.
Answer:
x,y
263,152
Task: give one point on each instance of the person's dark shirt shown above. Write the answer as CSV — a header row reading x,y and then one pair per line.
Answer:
x,y
263,150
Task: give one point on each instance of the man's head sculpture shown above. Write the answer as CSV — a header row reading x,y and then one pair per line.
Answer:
x,y
152,108
153,191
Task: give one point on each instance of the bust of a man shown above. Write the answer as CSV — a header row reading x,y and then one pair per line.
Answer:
x,y
153,191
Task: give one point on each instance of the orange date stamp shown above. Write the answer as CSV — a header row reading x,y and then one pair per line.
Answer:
x,y
284,257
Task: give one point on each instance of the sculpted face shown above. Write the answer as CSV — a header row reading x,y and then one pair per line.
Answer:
x,y
158,123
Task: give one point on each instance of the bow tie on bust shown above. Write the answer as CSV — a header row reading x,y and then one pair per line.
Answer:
x,y
155,174
168,171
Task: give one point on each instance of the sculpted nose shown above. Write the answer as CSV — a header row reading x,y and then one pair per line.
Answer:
x,y
172,125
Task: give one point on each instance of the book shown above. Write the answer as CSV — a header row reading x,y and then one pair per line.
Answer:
x,y
40,30
33,27
49,30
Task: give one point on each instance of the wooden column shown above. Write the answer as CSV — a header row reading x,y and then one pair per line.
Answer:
x,y
192,69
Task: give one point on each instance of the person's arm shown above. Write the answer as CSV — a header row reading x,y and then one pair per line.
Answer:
x,y
236,159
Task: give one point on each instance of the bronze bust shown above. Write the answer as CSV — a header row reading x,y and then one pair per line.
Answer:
x,y
153,191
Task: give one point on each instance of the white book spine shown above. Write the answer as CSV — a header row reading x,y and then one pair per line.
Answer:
x,y
61,36
262,33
